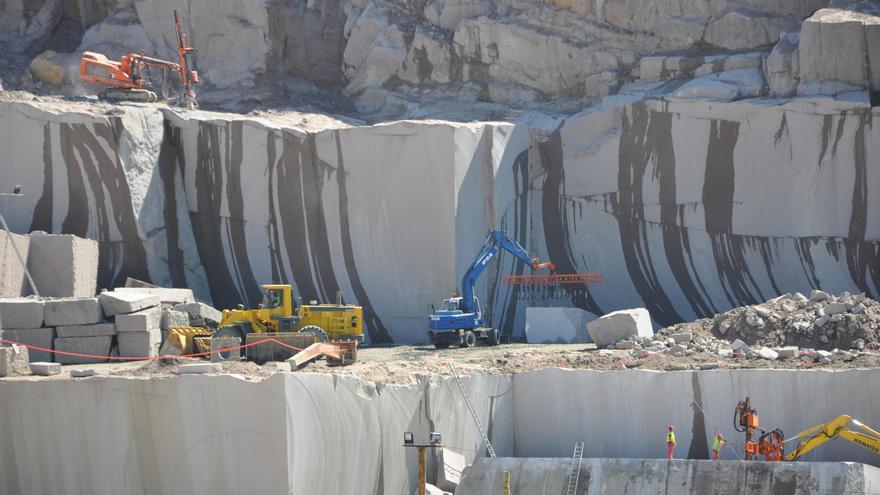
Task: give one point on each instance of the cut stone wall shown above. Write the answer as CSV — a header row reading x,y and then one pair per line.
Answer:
x,y
688,208
106,429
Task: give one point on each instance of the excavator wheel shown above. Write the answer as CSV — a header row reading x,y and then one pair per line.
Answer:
x,y
229,332
494,337
317,331
469,339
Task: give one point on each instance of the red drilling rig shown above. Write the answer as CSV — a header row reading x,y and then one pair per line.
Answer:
x,y
129,78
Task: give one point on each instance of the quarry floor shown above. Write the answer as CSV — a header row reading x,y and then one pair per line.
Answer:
x,y
404,363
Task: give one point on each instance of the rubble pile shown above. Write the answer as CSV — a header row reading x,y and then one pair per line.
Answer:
x,y
819,328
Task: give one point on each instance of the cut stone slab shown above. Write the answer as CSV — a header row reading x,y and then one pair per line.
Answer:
x,y
21,312
199,368
166,296
97,346
115,302
63,265
449,469
620,325
84,373
788,352
4,360
138,344
766,353
557,325
198,310
148,320
12,277
39,337
45,369
681,338
96,330
72,311
738,345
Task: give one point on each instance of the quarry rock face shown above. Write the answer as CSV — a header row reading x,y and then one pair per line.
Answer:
x,y
677,202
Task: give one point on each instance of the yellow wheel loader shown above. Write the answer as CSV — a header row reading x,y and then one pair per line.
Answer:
x,y
277,317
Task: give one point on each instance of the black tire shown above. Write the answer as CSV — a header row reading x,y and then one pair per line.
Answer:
x,y
441,345
318,331
469,339
494,337
230,332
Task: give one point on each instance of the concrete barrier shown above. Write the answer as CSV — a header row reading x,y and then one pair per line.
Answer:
x,y
650,476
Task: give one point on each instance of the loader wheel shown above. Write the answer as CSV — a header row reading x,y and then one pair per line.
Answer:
x,y
469,339
494,337
318,331
229,332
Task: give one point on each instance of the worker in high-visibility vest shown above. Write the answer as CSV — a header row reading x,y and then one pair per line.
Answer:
x,y
716,446
670,442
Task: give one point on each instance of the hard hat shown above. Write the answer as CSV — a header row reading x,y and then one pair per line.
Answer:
x,y
670,427
721,436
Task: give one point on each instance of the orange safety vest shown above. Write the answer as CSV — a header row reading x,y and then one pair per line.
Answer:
x,y
670,437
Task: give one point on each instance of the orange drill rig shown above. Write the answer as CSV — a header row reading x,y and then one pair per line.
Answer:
x,y
769,444
128,79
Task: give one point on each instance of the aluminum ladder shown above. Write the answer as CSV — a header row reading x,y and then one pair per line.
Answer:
x,y
467,400
575,473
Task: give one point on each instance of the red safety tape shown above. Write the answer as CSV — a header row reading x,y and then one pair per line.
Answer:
x,y
149,358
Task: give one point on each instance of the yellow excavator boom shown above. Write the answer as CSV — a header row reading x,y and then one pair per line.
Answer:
x,y
867,438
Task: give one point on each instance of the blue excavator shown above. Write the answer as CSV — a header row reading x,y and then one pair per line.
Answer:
x,y
461,321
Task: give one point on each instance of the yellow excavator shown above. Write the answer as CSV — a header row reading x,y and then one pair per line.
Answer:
x,y
867,438
276,317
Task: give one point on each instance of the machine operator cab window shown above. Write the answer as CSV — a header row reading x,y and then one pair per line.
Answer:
x,y
272,299
457,304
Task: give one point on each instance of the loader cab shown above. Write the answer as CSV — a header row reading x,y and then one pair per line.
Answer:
x,y
278,299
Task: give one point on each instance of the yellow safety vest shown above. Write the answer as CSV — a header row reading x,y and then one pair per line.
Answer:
x,y
716,445
670,437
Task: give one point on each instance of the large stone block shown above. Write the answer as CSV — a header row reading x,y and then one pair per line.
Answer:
x,y
72,311
165,295
620,325
557,325
96,330
45,368
21,313
200,311
63,265
148,320
95,346
116,302
173,318
834,55
39,337
138,344
12,276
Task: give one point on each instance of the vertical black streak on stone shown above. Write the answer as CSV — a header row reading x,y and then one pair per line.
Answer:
x,y
290,185
279,274
718,194
674,236
314,173
134,255
637,146
699,448
206,219
555,218
77,220
862,258
377,331
42,218
826,137
235,226
520,220
169,155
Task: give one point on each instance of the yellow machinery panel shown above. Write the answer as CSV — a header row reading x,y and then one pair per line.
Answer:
x,y
339,322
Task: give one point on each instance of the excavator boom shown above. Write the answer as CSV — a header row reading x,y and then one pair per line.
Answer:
x,y
811,438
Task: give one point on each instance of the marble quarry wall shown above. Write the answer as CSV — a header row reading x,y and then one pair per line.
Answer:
x,y
281,435
687,208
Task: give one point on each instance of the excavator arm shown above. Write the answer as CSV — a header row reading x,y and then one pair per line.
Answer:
x,y
813,437
495,241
